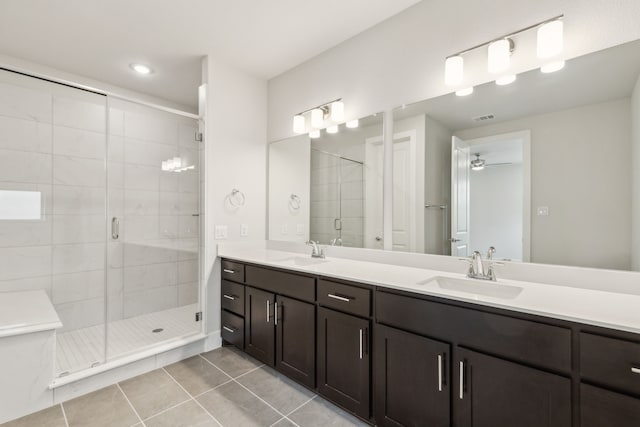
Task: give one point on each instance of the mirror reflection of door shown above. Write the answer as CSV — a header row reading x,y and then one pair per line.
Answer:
x,y
374,172
460,218
490,192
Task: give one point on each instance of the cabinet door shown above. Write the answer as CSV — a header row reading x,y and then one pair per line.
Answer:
x,y
259,325
412,379
602,408
490,392
295,340
343,360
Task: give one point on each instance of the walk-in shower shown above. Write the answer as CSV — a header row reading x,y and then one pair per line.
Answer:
x,y
337,197
100,207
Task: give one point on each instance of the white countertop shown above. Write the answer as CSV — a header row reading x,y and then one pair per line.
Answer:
x,y
594,307
26,312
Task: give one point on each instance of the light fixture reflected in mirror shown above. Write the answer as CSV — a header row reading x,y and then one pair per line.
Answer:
x,y
332,129
314,134
352,124
552,67
465,92
506,80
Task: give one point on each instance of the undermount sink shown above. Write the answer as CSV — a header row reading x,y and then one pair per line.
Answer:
x,y
303,261
474,287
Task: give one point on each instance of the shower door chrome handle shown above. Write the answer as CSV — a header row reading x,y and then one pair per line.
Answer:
x,y
115,228
337,224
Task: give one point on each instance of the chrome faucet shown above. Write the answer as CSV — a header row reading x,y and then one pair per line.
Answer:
x,y
337,241
317,251
476,266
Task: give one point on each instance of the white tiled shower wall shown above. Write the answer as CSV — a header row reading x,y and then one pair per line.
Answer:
x,y
52,140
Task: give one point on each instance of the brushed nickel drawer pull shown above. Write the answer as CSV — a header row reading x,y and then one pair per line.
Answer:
x,y
267,311
233,331
226,270
339,298
275,314
361,337
231,297
439,372
461,380
635,370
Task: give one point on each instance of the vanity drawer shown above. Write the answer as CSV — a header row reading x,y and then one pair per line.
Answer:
x,y
520,340
233,297
233,271
349,299
280,282
233,329
611,362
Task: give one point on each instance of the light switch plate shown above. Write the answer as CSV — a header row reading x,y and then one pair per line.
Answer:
x,y
244,230
285,230
300,229
542,211
221,232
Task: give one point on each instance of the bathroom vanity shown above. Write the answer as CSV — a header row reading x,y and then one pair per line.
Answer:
x,y
432,352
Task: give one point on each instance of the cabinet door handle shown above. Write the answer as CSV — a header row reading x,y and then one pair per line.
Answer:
x,y
267,311
635,370
231,297
226,270
361,338
461,380
338,297
233,331
275,313
439,372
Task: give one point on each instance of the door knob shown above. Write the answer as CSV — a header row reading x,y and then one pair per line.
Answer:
x,y
378,239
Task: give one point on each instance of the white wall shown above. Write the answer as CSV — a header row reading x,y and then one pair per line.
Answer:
x,y
580,170
236,157
289,173
402,59
496,210
635,179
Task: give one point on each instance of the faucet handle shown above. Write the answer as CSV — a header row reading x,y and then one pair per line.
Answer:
x,y
490,252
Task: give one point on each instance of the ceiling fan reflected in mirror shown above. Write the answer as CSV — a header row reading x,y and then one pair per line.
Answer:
x,y
479,164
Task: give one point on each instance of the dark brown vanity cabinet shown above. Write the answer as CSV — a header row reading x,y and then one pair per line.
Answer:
x,y
412,375
344,345
493,392
280,329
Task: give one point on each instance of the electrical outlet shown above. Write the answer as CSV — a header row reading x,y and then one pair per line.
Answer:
x,y
543,211
244,230
300,229
285,229
221,232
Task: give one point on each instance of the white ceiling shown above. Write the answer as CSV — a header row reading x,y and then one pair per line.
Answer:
x,y
100,38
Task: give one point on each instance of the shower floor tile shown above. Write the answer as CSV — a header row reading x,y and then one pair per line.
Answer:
x,y
83,348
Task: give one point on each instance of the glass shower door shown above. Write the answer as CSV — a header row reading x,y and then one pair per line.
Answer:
x,y
154,207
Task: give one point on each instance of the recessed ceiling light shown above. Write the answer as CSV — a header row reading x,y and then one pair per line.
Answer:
x,y
141,69
465,92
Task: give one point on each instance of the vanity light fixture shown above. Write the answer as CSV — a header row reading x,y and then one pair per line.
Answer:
x,y
337,111
328,114
332,129
465,92
317,118
314,134
299,125
506,80
499,55
352,124
499,50
453,70
141,69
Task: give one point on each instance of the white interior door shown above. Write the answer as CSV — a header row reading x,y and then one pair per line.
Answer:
x,y
404,192
460,167
374,172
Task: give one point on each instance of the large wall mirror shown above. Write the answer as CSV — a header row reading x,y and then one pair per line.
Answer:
x,y
541,169
329,189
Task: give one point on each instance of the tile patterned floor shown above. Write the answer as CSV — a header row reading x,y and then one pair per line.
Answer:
x,y
223,387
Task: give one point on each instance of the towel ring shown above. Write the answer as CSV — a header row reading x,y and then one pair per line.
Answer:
x,y
236,198
294,202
